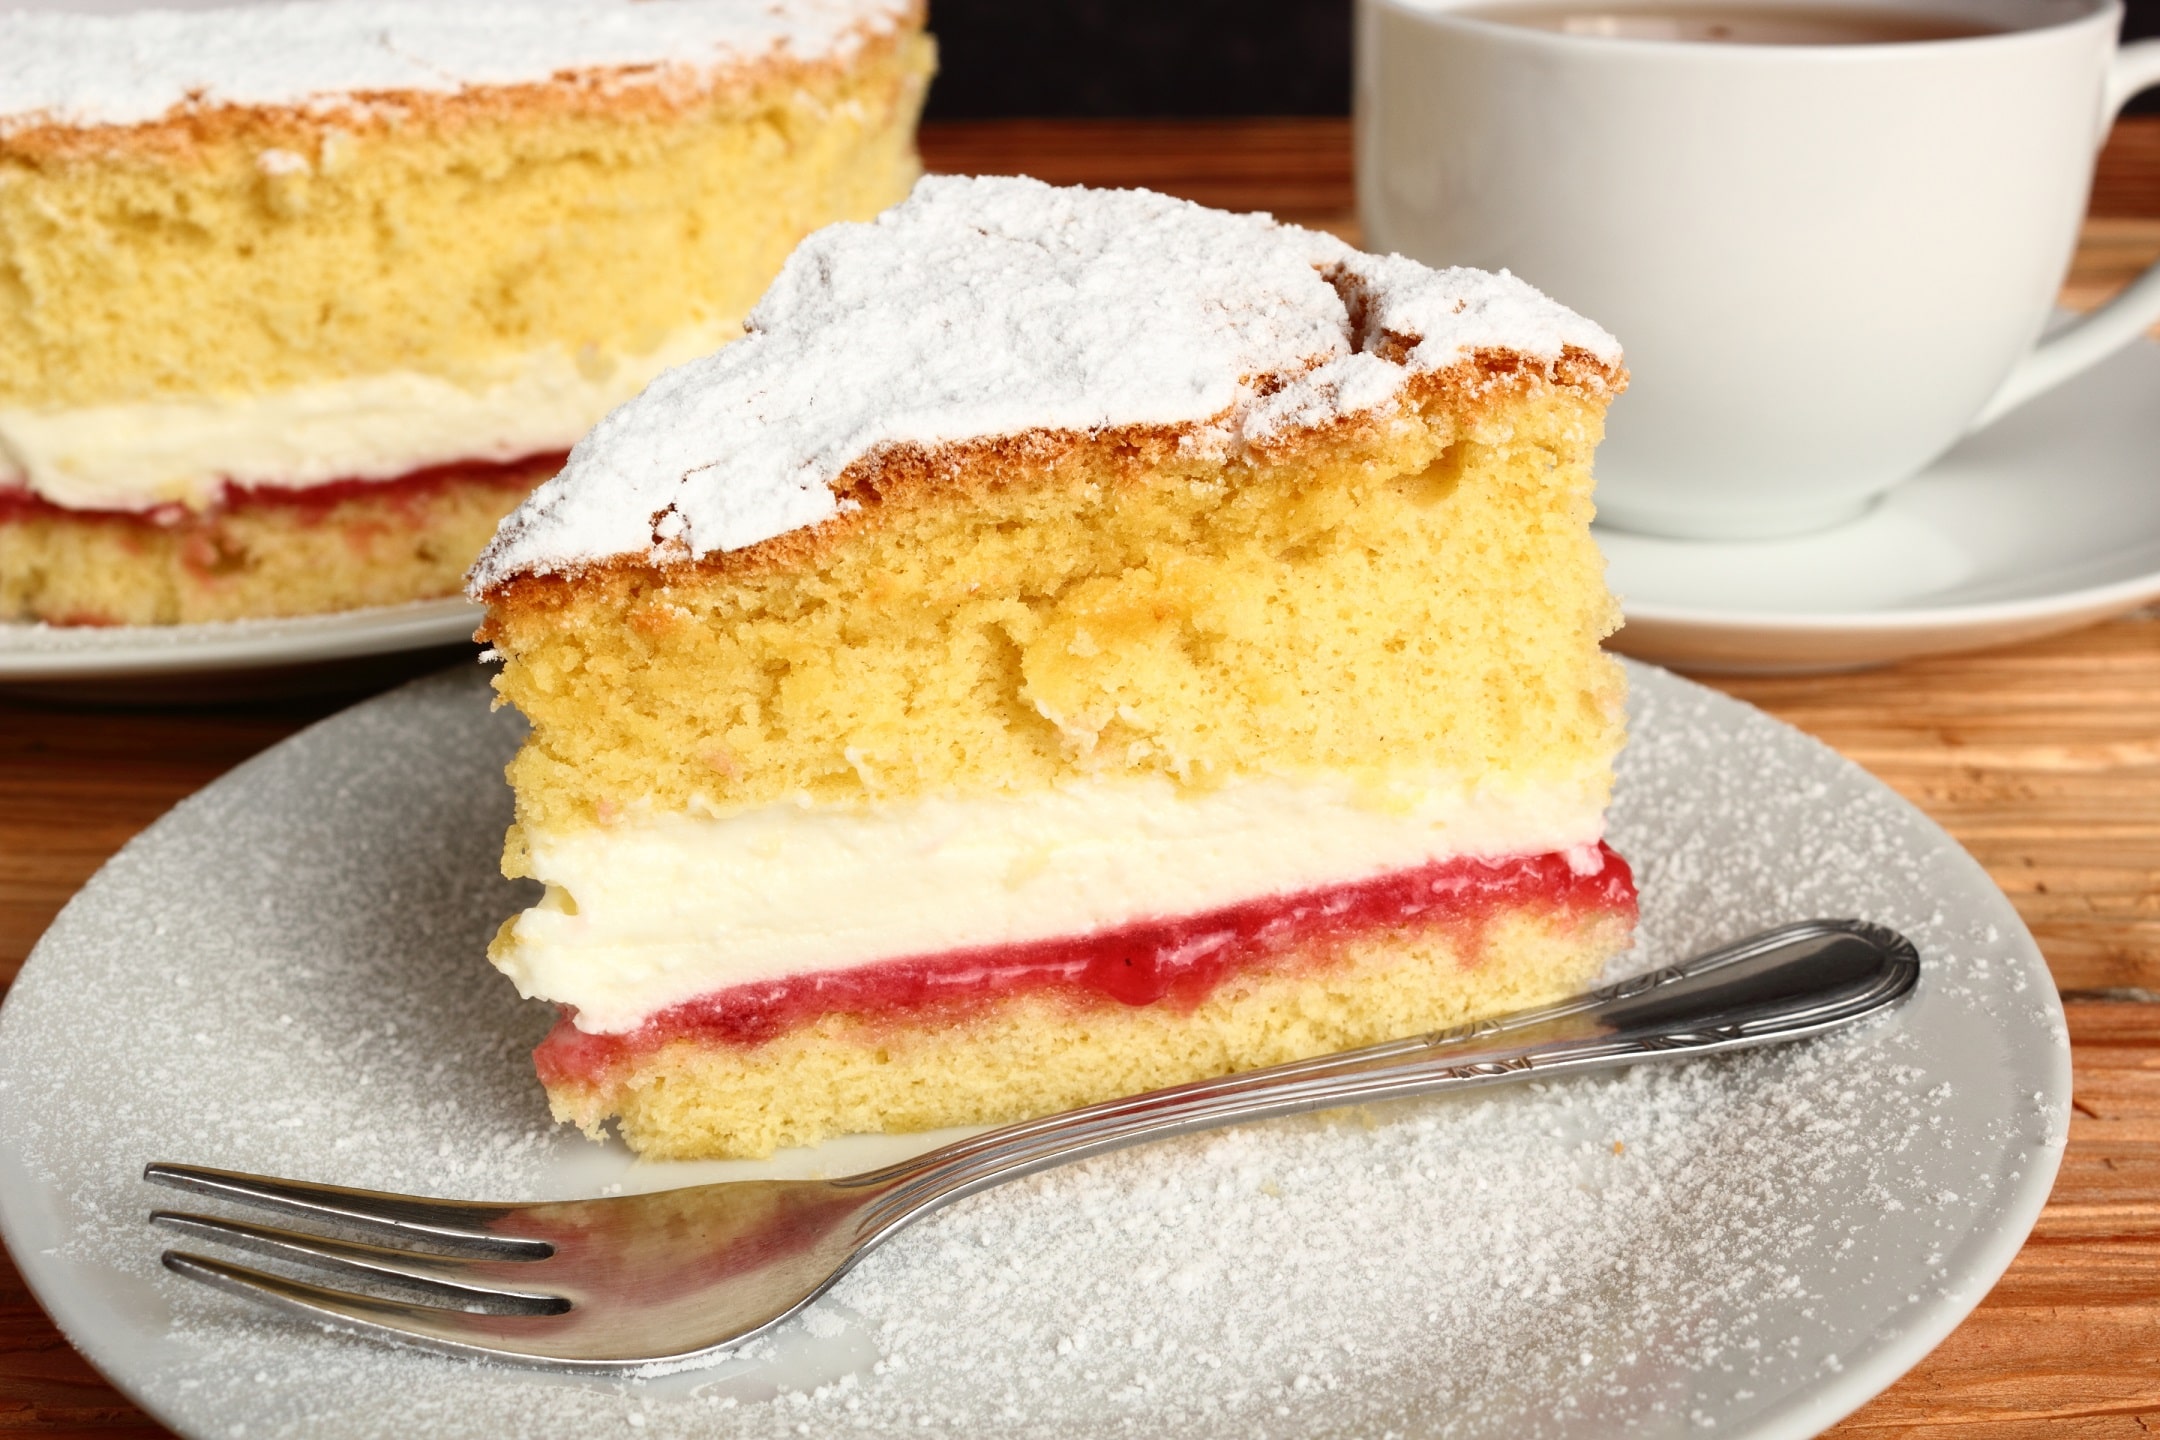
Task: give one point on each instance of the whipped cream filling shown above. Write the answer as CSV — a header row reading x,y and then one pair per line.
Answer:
x,y
144,455
647,913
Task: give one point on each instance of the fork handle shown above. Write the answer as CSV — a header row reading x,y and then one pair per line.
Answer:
x,y
1784,984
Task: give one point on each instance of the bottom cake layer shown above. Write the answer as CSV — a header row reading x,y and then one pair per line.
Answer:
x,y
260,553
1038,1052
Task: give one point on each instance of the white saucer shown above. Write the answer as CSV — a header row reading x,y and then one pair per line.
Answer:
x,y
116,652
2045,521
285,974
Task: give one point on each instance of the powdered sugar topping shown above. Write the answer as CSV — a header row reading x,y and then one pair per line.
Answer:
x,y
136,65
983,308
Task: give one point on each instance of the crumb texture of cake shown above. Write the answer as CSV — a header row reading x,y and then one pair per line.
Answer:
x,y
301,552
1046,564
309,244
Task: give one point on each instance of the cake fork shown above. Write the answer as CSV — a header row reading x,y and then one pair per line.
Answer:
x,y
624,1282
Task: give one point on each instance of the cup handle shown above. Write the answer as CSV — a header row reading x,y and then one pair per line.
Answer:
x,y
2123,319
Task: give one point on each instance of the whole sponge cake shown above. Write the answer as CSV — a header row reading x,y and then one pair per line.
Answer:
x,y
1077,642
301,298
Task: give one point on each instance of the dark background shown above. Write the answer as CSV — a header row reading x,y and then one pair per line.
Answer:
x,y
1173,57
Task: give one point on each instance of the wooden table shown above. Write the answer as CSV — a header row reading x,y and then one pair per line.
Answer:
x,y
2044,760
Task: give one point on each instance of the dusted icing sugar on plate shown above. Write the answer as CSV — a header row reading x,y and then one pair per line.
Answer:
x,y
283,976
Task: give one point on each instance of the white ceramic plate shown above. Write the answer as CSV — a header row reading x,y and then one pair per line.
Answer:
x,y
2045,521
285,975
100,652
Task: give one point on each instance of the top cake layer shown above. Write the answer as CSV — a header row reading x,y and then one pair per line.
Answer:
x,y
982,309
72,68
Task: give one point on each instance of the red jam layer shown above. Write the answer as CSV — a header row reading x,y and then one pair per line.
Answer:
x,y
1179,961
21,503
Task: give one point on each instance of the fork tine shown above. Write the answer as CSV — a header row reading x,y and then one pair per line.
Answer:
x,y
459,1224
450,1332
448,1278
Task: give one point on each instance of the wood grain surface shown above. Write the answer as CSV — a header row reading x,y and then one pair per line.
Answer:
x,y
2043,760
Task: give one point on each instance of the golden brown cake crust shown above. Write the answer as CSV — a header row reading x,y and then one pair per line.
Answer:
x,y
656,90
1100,605
1472,392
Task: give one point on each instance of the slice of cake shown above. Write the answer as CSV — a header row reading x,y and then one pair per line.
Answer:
x,y
1078,642
298,300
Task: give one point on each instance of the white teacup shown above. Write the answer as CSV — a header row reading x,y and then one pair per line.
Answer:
x,y
1826,261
